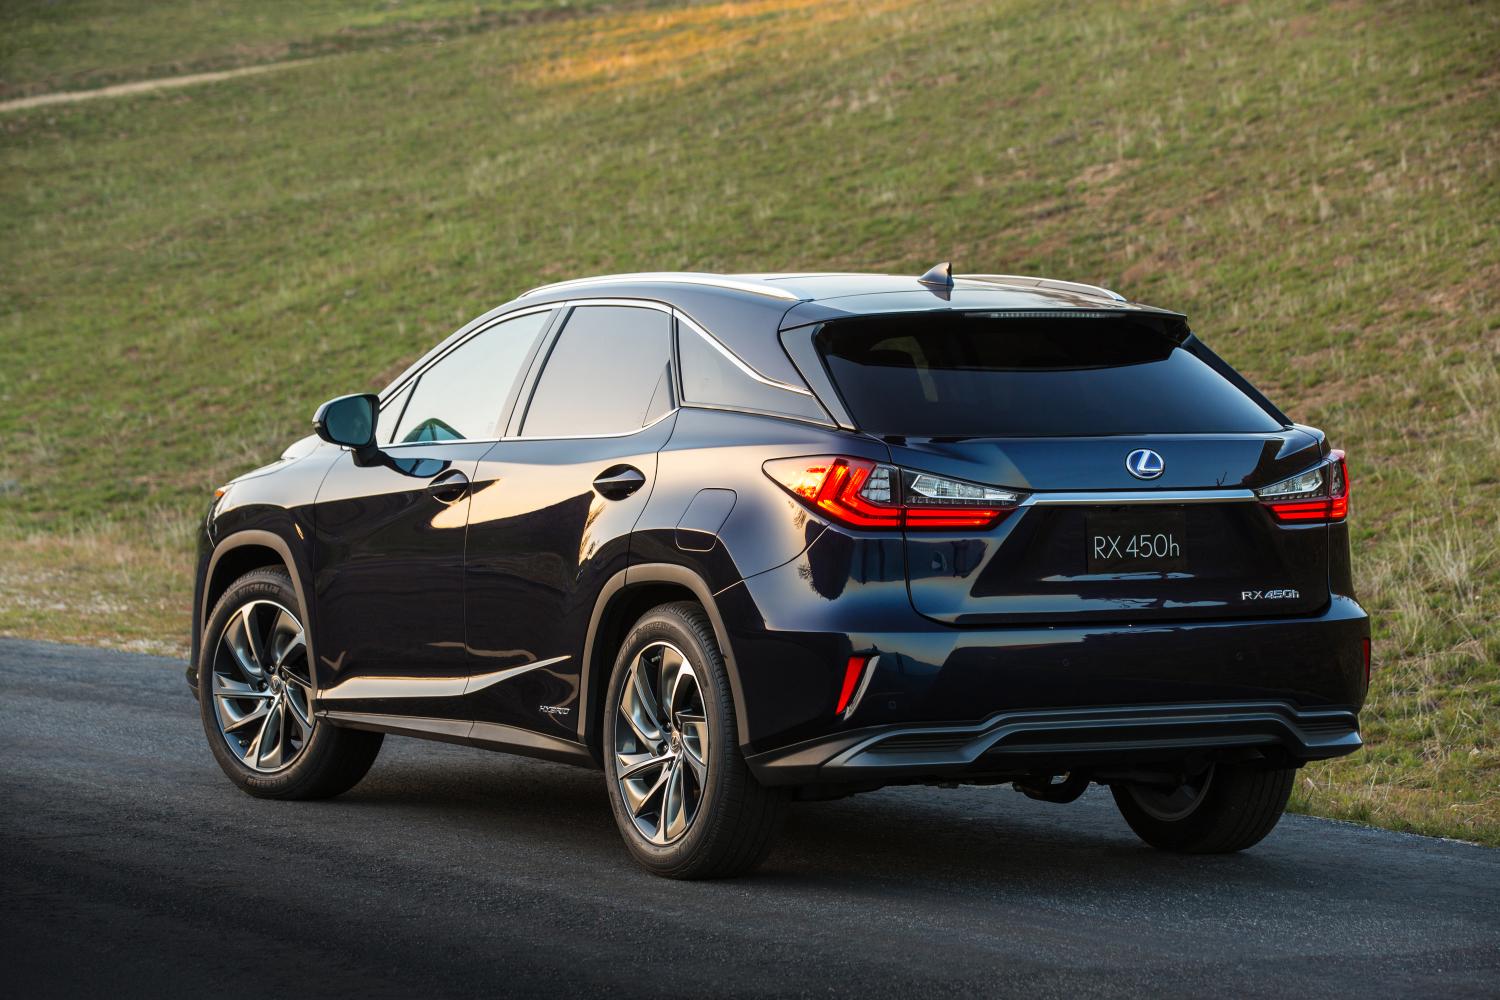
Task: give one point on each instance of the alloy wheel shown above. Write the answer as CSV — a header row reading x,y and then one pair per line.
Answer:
x,y
661,743
1171,804
262,686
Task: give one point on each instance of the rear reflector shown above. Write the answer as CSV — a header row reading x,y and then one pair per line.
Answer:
x,y
1366,644
852,671
871,495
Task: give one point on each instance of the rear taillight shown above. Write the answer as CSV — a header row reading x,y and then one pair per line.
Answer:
x,y
872,495
1319,494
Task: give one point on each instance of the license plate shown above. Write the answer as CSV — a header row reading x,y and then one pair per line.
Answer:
x,y
1148,542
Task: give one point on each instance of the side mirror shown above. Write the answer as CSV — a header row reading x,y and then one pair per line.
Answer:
x,y
350,421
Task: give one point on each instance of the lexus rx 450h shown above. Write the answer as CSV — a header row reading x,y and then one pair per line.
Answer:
x,y
740,540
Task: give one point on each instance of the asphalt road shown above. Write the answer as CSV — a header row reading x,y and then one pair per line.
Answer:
x,y
130,866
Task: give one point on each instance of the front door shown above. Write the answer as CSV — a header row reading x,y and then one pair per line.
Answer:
x,y
389,552
552,512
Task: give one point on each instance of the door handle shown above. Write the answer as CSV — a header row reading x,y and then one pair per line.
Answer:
x,y
619,481
449,487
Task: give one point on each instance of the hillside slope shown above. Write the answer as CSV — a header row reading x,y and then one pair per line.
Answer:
x,y
185,276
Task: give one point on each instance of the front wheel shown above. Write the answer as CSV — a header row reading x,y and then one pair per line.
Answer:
x,y
256,698
684,800
1225,808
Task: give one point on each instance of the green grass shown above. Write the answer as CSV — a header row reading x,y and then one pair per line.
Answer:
x,y
186,275
51,45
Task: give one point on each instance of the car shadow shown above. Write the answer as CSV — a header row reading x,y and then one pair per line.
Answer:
x,y
923,838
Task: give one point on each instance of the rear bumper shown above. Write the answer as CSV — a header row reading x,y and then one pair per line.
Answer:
x,y
1061,740
1000,689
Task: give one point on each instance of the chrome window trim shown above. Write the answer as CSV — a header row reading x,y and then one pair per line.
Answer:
x,y
627,303
528,386
798,344
590,437
668,277
530,390
734,359
454,341
449,442
751,411
1136,496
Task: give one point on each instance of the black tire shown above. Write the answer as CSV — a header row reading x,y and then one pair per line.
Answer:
x,y
330,760
1238,806
736,818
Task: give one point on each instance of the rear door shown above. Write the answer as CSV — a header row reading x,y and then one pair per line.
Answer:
x,y
1137,453
553,508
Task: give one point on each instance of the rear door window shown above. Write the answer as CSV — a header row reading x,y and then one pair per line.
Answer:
x,y
462,395
977,375
608,373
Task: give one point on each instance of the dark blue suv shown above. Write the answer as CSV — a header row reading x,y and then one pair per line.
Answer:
x,y
739,540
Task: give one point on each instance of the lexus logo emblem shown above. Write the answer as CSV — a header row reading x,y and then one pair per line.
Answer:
x,y
1143,463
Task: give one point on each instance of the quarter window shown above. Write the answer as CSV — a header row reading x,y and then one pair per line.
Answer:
x,y
710,378
462,395
608,373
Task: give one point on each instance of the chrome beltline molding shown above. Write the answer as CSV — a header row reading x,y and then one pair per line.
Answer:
x,y
426,687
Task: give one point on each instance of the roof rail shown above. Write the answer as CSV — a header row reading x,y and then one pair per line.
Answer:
x,y
1026,281
671,277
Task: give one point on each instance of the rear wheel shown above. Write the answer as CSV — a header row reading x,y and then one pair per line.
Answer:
x,y
256,695
1226,808
682,796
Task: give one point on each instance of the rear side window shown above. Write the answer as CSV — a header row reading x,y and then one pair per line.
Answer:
x,y
607,373
709,377
461,395
978,375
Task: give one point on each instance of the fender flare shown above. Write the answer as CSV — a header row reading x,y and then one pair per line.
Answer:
x,y
658,573
277,544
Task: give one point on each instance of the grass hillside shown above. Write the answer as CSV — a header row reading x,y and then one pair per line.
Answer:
x,y
48,45
184,276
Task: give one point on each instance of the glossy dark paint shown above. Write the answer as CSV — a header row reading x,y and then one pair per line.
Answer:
x,y
531,562
389,565
542,542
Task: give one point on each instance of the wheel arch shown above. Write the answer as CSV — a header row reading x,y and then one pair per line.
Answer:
x,y
623,599
232,558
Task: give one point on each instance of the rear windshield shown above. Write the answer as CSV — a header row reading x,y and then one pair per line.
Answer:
x,y
977,375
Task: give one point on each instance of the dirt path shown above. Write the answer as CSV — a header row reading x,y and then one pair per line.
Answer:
x,y
145,86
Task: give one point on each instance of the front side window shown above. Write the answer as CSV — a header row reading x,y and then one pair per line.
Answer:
x,y
608,373
390,413
462,395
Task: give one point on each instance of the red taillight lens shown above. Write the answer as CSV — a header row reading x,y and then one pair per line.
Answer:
x,y
872,495
1319,494
1366,644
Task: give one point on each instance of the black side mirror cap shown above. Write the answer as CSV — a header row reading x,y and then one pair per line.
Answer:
x,y
350,421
